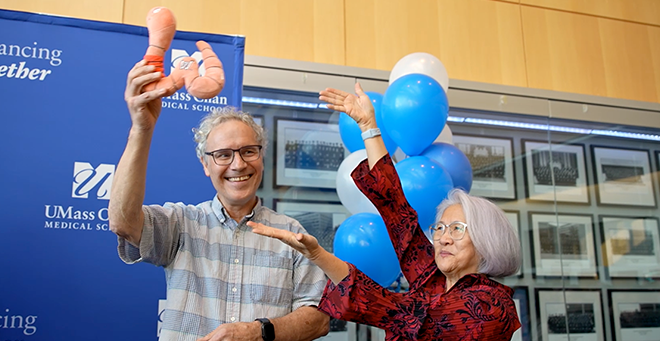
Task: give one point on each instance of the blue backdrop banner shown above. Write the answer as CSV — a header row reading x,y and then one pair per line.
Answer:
x,y
64,127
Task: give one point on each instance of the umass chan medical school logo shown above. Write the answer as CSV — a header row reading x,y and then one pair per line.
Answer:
x,y
87,178
91,183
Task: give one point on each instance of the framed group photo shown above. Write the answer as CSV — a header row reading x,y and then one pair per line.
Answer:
x,y
635,315
623,177
320,219
555,171
581,308
631,246
492,165
563,245
308,153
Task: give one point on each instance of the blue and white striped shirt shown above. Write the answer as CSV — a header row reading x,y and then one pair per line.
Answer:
x,y
218,271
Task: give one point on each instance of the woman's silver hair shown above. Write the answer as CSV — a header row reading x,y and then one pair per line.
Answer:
x,y
491,233
217,117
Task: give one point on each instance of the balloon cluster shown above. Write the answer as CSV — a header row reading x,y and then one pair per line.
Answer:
x,y
412,117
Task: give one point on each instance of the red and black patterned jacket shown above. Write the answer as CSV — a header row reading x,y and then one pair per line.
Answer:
x,y
475,308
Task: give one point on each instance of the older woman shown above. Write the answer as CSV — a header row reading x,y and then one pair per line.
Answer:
x,y
451,296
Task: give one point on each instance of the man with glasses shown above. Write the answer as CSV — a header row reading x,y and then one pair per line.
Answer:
x,y
217,270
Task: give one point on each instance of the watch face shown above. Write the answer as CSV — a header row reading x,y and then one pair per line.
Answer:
x,y
267,329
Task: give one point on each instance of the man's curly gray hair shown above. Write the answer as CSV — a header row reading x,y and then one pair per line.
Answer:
x,y
216,117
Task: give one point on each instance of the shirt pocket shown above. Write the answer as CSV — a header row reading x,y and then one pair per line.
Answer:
x,y
273,280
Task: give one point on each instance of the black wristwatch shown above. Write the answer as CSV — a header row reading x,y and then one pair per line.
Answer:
x,y
267,329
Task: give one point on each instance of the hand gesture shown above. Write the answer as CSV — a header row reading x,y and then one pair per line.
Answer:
x,y
144,107
357,107
306,244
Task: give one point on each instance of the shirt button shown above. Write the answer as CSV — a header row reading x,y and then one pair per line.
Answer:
x,y
233,289
232,319
236,260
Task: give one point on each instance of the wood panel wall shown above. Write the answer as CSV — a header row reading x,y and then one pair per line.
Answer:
x,y
595,47
641,11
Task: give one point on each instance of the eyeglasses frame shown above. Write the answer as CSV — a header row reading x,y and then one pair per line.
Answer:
x,y
233,154
433,230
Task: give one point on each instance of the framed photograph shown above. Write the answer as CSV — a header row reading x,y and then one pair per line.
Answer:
x,y
520,298
492,165
320,219
308,153
581,308
563,245
635,315
555,171
631,246
514,219
623,177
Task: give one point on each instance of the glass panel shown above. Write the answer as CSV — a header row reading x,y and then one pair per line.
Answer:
x,y
617,238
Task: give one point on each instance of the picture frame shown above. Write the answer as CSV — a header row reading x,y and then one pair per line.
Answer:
x,y
623,177
320,219
308,153
493,171
555,171
563,245
634,314
521,300
582,309
631,246
514,219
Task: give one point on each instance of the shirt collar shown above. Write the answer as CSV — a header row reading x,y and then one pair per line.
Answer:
x,y
222,215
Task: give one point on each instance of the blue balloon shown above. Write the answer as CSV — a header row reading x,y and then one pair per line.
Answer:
x,y
363,241
350,132
415,111
377,101
425,184
454,161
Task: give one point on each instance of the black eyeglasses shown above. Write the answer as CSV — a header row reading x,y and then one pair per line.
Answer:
x,y
224,157
456,230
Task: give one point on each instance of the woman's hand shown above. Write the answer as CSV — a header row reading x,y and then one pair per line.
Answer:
x,y
306,244
357,107
335,268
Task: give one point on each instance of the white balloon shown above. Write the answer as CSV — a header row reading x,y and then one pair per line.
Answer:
x,y
424,63
445,136
349,194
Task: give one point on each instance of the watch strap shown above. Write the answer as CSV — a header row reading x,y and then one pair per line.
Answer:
x,y
373,132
